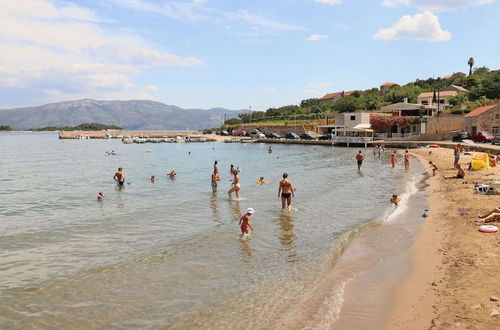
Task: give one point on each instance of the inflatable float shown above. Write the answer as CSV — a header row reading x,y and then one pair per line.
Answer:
x,y
480,161
488,229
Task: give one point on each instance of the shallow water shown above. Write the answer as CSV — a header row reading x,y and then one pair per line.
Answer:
x,y
167,254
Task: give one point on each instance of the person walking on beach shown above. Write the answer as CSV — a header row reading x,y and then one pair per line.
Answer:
x,y
407,160
394,160
236,184
245,222
286,192
215,178
434,168
119,177
360,157
456,152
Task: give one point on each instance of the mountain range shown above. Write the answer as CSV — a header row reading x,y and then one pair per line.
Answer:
x,y
134,115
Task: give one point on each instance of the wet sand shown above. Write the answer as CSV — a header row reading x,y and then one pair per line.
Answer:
x,y
454,268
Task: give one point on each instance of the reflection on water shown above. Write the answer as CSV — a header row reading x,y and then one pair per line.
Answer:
x,y
287,237
214,201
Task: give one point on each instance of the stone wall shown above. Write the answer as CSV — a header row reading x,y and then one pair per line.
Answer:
x,y
444,124
485,121
444,136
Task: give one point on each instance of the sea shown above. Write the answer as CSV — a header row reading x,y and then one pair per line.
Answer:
x,y
168,254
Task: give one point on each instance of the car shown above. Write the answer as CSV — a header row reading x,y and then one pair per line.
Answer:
x,y
273,136
496,139
308,136
239,133
257,134
207,131
482,137
460,136
292,136
224,133
325,137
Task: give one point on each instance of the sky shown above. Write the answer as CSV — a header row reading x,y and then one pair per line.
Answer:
x,y
234,53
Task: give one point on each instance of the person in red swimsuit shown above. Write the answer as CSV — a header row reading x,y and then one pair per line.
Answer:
x,y
245,222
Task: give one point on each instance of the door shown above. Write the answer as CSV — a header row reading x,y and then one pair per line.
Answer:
x,y
474,130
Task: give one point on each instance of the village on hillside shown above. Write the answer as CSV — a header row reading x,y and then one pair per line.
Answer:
x,y
432,109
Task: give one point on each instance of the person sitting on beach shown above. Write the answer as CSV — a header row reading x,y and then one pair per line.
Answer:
x,y
100,196
215,178
434,168
460,174
261,180
494,211
119,177
245,222
152,179
494,215
286,192
172,173
395,200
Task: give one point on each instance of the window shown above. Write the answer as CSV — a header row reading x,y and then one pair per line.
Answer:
x,y
497,116
495,130
353,117
441,101
425,102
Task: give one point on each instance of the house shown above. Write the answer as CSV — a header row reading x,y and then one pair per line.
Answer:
x,y
483,119
385,87
405,109
332,97
454,75
442,99
349,124
456,88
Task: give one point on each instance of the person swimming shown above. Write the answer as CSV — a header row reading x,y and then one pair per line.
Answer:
x,y
172,174
261,180
245,222
395,200
152,179
100,196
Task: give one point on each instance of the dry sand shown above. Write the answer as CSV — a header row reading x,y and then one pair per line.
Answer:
x,y
455,269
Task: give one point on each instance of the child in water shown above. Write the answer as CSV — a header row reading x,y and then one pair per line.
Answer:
x,y
261,180
395,200
434,168
100,196
245,222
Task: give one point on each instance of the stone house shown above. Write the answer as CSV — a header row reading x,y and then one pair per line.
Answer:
x,y
483,119
443,97
385,87
456,88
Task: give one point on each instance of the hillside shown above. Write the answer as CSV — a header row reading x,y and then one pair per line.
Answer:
x,y
136,115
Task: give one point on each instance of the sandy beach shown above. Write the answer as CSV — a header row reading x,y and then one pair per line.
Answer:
x,y
454,268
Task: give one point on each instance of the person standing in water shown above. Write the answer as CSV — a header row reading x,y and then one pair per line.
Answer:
x,y
245,222
270,150
216,166
394,160
360,158
215,178
407,160
236,184
119,177
286,192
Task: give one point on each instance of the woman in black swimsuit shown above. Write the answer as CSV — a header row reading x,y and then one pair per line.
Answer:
x,y
286,192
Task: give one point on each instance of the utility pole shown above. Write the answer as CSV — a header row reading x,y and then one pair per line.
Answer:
x,y
250,114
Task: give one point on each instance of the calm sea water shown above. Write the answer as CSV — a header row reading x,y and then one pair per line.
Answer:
x,y
168,254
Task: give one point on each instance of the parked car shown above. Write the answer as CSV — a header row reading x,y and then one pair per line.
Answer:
x,y
207,131
224,133
482,137
308,136
460,136
239,133
326,137
273,136
257,134
496,139
292,136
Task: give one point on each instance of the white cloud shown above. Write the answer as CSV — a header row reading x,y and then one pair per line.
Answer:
x,y
437,5
76,54
196,11
329,2
317,37
423,26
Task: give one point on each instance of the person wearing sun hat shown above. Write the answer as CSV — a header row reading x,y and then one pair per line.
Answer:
x,y
245,222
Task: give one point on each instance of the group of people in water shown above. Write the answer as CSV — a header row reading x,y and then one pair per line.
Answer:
x,y
378,150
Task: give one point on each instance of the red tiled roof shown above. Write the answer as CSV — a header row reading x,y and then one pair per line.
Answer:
x,y
349,93
388,84
447,77
330,96
481,110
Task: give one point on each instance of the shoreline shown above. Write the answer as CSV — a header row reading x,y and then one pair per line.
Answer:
x,y
453,267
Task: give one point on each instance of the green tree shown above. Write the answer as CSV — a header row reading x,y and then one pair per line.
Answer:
x,y
458,99
309,102
371,101
5,128
471,64
346,104
398,94
232,121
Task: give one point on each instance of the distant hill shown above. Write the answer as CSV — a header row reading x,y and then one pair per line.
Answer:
x,y
136,115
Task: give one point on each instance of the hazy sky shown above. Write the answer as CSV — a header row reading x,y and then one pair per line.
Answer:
x,y
234,53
